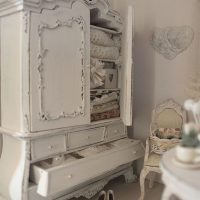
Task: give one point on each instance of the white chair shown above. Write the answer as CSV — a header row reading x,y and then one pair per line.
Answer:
x,y
168,114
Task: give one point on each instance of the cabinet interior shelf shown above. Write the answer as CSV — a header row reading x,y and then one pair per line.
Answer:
x,y
110,61
104,90
105,30
113,120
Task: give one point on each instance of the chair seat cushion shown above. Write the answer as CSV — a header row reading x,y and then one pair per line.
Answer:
x,y
153,160
168,133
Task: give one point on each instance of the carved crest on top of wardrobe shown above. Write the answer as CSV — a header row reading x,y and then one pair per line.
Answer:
x,y
104,9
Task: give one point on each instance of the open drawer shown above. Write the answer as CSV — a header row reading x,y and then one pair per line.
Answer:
x,y
81,166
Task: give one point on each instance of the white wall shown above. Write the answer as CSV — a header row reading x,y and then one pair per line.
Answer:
x,y
156,78
111,2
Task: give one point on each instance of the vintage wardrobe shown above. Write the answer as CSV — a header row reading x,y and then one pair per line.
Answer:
x,y
66,78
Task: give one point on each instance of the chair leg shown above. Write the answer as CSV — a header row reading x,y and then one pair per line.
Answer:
x,y
143,175
152,180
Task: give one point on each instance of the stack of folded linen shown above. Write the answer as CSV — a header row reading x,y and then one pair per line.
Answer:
x,y
101,38
105,107
104,45
100,52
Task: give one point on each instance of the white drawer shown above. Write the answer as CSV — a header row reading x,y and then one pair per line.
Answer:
x,y
83,166
48,146
115,131
86,137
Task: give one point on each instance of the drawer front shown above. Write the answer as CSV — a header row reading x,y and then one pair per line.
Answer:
x,y
136,151
86,137
44,147
57,179
115,131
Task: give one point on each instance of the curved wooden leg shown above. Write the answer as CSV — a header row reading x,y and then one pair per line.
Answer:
x,y
152,179
167,194
143,175
14,168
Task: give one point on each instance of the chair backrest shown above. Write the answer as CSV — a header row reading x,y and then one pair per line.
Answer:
x,y
168,114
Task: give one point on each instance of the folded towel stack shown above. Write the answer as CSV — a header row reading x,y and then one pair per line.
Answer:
x,y
101,38
105,107
104,45
100,52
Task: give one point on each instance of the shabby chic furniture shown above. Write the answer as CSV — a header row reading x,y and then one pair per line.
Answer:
x,y
168,114
179,182
59,133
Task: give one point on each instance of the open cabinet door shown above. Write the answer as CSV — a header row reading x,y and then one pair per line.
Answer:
x,y
127,69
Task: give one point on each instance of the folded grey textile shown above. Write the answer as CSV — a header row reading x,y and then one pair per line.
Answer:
x,y
104,99
105,107
102,52
105,115
114,107
101,38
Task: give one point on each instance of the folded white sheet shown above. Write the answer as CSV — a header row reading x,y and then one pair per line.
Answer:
x,y
102,52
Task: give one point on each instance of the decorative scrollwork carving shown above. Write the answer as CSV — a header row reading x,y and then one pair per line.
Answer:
x,y
26,20
168,104
90,2
45,116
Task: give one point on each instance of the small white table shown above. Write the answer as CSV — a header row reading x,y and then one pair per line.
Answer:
x,y
183,183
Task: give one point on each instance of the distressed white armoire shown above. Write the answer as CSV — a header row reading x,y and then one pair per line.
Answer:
x,y
66,98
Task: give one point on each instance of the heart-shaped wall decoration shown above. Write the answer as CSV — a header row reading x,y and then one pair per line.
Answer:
x,y
171,41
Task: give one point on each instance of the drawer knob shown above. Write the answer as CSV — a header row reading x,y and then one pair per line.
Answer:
x,y
88,137
69,176
115,131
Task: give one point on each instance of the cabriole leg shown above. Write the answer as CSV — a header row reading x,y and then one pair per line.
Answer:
x,y
143,175
152,180
14,168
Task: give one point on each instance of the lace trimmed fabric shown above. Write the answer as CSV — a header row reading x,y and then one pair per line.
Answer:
x,y
105,115
97,73
101,52
104,99
105,107
101,38
171,41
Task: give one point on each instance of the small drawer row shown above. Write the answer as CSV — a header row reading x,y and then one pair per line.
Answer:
x,y
51,145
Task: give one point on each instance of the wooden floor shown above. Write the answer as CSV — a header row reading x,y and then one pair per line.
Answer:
x,y
131,191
